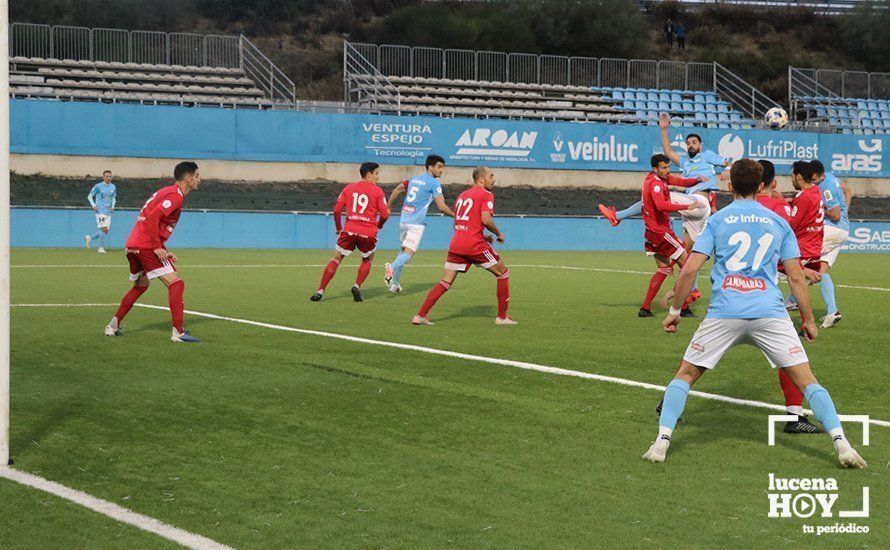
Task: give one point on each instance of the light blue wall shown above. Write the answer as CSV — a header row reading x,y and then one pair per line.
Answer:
x,y
66,228
101,129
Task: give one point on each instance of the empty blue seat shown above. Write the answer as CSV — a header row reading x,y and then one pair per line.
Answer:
x,y
712,117
664,107
652,106
711,98
641,96
676,107
710,107
832,113
617,94
664,96
641,115
688,106
629,105
885,115
862,105
722,108
698,98
675,96
723,117
735,117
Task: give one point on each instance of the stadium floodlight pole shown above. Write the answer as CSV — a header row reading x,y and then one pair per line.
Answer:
x,y
4,232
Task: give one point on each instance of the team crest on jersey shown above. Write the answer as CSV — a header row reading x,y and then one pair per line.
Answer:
x,y
743,284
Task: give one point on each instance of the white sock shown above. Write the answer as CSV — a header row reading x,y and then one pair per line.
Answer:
x,y
664,434
795,409
113,323
839,439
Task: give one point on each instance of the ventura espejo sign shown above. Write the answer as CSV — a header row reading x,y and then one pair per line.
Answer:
x,y
73,128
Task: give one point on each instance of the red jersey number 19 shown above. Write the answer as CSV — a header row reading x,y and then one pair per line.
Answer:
x,y
359,202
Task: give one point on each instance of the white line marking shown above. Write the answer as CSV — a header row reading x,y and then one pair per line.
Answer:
x,y
112,510
493,360
268,266
62,305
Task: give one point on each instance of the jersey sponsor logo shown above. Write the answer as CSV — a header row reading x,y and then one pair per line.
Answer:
x,y
777,151
749,218
408,209
741,283
485,143
867,160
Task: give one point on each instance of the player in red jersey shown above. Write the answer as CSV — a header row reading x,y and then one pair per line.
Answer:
x,y
807,213
147,252
771,199
661,242
473,213
366,212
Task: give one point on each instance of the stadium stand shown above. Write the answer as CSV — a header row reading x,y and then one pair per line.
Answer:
x,y
845,101
826,7
111,65
405,80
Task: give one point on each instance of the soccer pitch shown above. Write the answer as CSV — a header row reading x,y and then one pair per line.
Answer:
x,y
264,437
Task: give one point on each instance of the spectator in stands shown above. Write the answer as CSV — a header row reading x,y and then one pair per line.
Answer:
x,y
669,33
681,36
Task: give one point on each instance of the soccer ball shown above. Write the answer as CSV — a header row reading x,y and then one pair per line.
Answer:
x,y
776,118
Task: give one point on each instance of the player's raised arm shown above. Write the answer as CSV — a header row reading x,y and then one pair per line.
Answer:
x,y
443,206
400,188
663,122
678,181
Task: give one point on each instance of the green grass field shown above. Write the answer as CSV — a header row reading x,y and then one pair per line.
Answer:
x,y
261,438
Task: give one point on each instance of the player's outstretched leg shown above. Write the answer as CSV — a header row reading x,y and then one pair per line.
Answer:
x,y
90,238
394,270
175,290
608,212
654,286
364,269
113,328
672,408
329,271
824,411
832,316
794,405
433,296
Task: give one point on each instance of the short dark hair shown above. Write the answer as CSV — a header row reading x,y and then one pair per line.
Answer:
x,y
804,169
367,167
478,172
658,159
432,160
769,171
183,169
745,175
696,136
106,172
818,167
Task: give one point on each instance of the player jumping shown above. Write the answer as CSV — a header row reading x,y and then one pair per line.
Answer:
x,y
473,213
103,198
661,242
836,198
366,212
148,256
807,218
747,241
421,190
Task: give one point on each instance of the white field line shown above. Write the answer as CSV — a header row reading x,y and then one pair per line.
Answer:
x,y
112,510
493,360
268,266
63,305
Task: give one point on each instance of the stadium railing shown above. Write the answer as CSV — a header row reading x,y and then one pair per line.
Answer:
x,y
823,7
846,101
404,79
147,50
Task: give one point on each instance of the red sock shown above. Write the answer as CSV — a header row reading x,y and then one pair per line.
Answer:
x,y
328,274
793,396
174,295
655,285
127,302
436,293
364,269
503,294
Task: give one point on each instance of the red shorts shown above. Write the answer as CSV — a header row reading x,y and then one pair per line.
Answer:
x,y
667,245
347,242
462,262
147,263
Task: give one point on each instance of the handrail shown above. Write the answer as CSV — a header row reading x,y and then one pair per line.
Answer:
x,y
748,99
363,80
265,74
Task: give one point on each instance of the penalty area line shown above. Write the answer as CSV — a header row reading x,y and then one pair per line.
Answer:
x,y
494,361
112,510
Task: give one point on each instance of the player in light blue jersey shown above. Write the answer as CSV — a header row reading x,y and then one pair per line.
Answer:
x,y
747,241
836,198
421,191
103,198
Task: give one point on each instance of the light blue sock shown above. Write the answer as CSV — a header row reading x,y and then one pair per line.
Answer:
x,y
397,265
828,293
674,403
633,210
96,235
101,239
822,405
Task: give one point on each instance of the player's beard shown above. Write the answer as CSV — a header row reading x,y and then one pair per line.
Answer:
x,y
691,153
